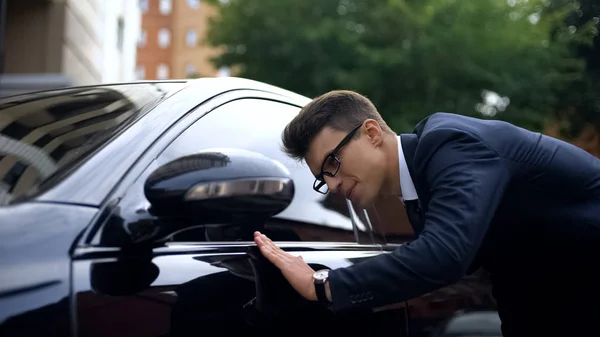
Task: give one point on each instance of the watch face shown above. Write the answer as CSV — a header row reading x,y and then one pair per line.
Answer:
x,y
321,275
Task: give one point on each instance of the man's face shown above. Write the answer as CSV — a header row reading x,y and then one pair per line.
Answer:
x,y
357,169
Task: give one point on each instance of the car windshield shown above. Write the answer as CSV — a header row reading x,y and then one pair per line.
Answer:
x,y
44,133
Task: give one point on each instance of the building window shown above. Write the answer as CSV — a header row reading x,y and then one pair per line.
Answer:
x,y
142,38
164,37
191,37
195,4
162,72
224,72
165,6
140,72
190,70
144,5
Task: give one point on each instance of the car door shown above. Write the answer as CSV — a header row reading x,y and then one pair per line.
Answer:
x,y
206,281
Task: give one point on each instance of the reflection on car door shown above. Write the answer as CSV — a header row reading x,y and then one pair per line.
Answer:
x,y
220,291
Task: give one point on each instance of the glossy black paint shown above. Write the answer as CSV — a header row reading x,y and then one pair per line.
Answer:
x,y
35,265
85,256
220,291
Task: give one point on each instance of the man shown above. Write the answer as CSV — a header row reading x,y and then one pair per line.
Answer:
x,y
488,194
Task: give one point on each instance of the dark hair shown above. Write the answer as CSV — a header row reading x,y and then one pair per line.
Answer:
x,y
341,110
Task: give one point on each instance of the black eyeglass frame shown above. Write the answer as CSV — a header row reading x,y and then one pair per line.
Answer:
x,y
319,181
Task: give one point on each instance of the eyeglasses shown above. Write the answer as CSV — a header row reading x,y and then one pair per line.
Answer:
x,y
331,163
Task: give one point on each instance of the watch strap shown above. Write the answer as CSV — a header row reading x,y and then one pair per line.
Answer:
x,y
321,294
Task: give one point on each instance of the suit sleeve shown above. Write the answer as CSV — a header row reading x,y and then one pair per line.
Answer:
x,y
467,181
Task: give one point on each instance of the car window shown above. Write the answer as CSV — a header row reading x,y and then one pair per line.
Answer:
x,y
45,133
389,225
256,125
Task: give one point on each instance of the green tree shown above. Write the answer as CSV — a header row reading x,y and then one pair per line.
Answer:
x,y
579,103
493,58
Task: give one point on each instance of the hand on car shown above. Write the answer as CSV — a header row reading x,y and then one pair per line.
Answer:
x,y
297,272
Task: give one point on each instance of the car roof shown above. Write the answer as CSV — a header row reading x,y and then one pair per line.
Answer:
x,y
224,83
237,83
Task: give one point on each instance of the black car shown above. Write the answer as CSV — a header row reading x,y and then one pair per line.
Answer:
x,y
128,210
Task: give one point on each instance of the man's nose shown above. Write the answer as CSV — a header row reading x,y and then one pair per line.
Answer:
x,y
333,183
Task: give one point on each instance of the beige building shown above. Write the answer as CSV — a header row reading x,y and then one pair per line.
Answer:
x,y
52,43
170,44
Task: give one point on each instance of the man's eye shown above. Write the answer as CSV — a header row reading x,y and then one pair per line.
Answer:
x,y
330,163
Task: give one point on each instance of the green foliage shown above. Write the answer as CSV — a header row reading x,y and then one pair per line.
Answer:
x,y
410,57
579,104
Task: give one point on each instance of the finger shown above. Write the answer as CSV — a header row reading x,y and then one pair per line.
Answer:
x,y
262,240
273,253
274,258
268,252
268,241
284,258
268,246
276,255
275,249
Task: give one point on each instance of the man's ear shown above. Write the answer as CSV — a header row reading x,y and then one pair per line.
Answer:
x,y
373,132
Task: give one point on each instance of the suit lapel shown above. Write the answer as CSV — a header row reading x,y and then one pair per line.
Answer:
x,y
413,210
409,146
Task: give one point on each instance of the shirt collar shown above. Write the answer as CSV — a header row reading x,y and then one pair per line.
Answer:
x,y
406,183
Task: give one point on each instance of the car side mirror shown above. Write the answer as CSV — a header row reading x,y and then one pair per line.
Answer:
x,y
219,186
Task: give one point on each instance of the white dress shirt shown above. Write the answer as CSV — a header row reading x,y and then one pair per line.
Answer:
x,y
406,183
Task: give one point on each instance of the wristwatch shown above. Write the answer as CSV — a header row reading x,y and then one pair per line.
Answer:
x,y
320,278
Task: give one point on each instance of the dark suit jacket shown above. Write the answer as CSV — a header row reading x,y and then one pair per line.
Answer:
x,y
495,196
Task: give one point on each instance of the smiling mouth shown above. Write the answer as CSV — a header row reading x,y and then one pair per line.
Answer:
x,y
349,195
